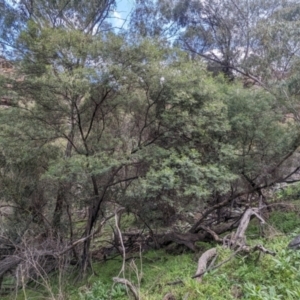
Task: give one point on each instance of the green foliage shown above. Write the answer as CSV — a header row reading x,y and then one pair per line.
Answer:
x,y
258,138
100,291
289,193
97,120
202,246
254,37
244,277
142,113
254,276
281,280
286,222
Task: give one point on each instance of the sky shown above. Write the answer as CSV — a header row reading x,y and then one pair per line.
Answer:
x,y
122,11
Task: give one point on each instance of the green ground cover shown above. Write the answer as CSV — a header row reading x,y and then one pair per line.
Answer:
x,y
255,276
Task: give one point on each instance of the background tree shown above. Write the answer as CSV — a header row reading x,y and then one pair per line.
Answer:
x,y
253,39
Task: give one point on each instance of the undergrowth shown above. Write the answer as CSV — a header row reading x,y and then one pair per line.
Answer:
x,y
255,276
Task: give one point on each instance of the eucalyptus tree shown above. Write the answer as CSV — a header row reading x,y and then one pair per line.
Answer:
x,y
252,38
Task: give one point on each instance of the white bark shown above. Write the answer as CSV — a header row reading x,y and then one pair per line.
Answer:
x,y
202,262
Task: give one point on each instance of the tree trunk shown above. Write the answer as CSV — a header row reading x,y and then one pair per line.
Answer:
x,y
63,188
92,218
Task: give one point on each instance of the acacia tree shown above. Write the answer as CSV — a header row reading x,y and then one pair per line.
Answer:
x,y
48,50
116,118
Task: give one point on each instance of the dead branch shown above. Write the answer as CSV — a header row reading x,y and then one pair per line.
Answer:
x,y
123,280
176,282
258,248
195,228
203,260
241,248
118,211
211,232
41,258
8,263
239,236
200,274
238,239
128,284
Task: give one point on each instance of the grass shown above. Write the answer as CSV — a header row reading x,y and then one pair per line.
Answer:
x,y
244,277
255,276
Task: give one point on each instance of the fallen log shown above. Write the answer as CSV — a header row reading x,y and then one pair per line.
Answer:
x,y
189,239
237,239
246,249
8,265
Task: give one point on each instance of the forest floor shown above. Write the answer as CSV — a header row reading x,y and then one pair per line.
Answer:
x,y
167,274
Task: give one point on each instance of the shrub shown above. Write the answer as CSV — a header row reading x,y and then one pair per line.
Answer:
x,y
102,291
291,192
286,222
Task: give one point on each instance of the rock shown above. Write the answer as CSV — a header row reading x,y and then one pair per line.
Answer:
x,y
169,296
295,243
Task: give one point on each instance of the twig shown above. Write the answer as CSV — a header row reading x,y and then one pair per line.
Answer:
x,y
117,221
176,282
263,249
123,280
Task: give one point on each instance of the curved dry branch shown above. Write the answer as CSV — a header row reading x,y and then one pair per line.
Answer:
x,y
202,263
127,283
239,236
